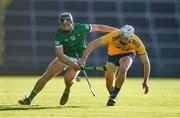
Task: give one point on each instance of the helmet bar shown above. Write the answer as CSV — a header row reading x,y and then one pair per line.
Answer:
x,y
65,17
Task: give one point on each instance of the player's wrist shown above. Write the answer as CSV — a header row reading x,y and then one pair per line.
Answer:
x,y
83,59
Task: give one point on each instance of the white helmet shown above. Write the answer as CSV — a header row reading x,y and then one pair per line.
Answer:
x,y
127,31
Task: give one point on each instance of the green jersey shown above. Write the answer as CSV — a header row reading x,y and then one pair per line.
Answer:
x,y
74,40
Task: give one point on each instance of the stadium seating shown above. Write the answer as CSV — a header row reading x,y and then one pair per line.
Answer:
x,y
30,27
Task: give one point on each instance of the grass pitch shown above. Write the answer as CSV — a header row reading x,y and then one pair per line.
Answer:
x,y
162,101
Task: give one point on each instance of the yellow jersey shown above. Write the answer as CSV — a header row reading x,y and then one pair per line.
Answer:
x,y
115,47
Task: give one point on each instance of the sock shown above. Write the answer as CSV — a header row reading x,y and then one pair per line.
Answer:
x,y
115,93
111,92
32,95
67,90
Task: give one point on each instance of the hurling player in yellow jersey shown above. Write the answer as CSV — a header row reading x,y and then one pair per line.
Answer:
x,y
122,49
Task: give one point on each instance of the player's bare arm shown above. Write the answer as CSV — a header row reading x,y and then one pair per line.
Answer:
x,y
63,59
91,46
145,60
96,43
102,28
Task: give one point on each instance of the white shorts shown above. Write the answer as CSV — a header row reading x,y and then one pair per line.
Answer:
x,y
73,60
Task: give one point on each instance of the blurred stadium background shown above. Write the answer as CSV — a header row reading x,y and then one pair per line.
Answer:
x,y
28,27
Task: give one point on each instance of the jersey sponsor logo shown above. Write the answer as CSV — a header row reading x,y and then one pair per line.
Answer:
x,y
137,44
66,40
71,38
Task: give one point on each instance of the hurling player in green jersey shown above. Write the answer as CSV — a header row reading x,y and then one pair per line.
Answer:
x,y
70,38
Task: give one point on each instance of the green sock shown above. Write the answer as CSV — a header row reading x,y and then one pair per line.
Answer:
x,y
32,95
67,90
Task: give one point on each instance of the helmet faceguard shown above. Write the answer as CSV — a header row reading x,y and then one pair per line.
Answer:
x,y
66,21
126,31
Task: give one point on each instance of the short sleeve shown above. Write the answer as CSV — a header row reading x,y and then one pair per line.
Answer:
x,y
86,27
141,50
58,39
139,46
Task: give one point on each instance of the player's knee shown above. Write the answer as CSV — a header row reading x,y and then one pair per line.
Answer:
x,y
69,77
68,81
70,74
51,71
49,74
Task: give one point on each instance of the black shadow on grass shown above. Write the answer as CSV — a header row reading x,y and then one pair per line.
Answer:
x,y
29,107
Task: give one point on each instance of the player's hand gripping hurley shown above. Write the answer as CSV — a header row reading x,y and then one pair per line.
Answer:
x,y
84,72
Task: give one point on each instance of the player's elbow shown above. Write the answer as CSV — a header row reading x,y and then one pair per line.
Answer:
x,y
96,27
91,46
